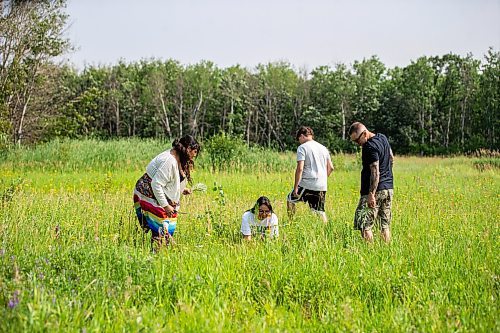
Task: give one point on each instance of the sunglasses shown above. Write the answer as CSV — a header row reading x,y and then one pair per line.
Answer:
x,y
359,137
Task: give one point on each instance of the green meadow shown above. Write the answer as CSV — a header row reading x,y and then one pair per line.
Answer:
x,y
72,259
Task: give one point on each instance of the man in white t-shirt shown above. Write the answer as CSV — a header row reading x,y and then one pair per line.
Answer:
x,y
314,165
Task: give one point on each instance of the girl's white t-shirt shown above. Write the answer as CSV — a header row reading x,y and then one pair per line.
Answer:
x,y
268,225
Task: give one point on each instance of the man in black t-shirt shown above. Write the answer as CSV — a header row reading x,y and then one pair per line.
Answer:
x,y
376,182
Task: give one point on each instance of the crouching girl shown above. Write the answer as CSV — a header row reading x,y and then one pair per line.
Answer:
x,y
260,221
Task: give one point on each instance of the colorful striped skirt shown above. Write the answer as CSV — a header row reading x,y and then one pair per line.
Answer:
x,y
150,214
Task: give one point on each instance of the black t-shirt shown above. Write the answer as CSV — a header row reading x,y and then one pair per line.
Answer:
x,y
376,149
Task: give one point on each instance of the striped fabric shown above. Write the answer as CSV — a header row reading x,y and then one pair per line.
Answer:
x,y
150,214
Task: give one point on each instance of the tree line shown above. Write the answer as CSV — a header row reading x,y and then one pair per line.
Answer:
x,y
435,105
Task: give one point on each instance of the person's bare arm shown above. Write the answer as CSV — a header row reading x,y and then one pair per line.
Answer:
x,y
391,158
298,176
329,167
374,180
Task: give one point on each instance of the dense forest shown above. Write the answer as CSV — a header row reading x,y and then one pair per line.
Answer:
x,y
435,105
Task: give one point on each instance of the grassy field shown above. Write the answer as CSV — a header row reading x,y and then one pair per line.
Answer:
x,y
72,260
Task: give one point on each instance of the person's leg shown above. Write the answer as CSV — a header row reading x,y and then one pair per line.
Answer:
x,y
323,216
169,227
367,234
140,214
386,235
290,207
316,201
156,241
364,218
291,200
384,201
157,233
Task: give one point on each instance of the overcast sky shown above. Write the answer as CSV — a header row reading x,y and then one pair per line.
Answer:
x,y
305,33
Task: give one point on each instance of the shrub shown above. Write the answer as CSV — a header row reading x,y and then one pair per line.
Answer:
x,y
222,149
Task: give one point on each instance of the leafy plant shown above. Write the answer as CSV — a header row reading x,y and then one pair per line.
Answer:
x,y
223,150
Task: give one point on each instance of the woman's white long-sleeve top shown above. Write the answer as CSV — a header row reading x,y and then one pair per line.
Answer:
x,y
164,172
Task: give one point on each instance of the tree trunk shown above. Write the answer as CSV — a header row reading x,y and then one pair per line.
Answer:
x,y
181,106
268,119
133,125
231,113
342,108
447,138
431,139
421,118
256,131
117,115
249,123
166,122
273,131
21,121
462,125
194,122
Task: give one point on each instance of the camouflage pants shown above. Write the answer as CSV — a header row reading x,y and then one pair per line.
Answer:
x,y
365,217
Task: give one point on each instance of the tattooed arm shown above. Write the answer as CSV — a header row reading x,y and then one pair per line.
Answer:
x,y
374,179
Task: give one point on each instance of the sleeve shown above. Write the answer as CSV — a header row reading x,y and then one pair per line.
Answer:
x,y
274,226
245,225
160,180
182,185
371,154
301,153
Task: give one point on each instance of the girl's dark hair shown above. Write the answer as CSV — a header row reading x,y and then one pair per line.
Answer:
x,y
262,201
180,146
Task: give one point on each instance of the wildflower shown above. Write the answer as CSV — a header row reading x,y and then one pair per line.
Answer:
x,y
14,301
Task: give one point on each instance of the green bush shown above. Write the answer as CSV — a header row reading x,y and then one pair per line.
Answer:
x,y
222,149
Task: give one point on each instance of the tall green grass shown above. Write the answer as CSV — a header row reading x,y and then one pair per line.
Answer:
x,y
72,259
132,154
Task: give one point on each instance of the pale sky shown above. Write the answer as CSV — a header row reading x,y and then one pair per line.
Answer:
x,y
305,33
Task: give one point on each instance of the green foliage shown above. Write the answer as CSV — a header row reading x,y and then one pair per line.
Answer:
x,y
435,105
32,35
223,150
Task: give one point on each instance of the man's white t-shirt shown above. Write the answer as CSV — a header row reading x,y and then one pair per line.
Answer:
x,y
315,157
269,225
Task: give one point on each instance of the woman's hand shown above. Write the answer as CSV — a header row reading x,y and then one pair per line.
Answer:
x,y
187,191
169,209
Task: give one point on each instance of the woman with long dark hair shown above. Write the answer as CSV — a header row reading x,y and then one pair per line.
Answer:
x,y
157,193
260,220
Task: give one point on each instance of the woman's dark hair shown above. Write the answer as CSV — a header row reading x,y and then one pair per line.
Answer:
x,y
262,201
180,146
